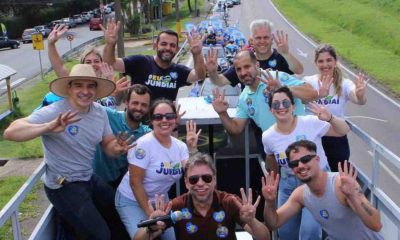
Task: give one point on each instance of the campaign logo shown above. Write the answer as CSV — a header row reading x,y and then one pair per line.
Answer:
x,y
300,137
174,75
281,158
222,232
219,216
140,153
272,63
324,213
191,228
73,130
251,111
186,214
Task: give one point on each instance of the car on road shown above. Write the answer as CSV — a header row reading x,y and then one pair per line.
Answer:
x,y
236,2
43,29
69,22
8,43
27,35
94,23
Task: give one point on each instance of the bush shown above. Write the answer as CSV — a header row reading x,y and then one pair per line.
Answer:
x,y
133,26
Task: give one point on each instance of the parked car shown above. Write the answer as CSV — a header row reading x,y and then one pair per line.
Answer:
x,y
94,23
236,2
69,22
27,35
8,43
43,29
56,22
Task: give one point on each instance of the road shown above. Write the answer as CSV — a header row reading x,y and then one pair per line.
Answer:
x,y
26,60
377,117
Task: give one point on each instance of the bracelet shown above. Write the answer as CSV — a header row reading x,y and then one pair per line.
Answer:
x,y
330,119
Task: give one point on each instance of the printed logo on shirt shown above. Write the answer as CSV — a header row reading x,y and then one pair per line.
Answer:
x,y
73,130
167,168
281,158
161,81
324,213
174,75
328,100
191,228
140,153
301,137
272,63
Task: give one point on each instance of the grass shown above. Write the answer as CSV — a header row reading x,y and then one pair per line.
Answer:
x,y
28,209
364,32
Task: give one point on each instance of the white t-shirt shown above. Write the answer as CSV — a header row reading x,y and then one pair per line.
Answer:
x,y
163,166
335,104
307,128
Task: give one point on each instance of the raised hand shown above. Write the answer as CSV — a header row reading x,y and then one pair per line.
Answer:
x,y
271,82
107,71
269,186
211,61
219,104
282,42
361,85
348,179
124,142
111,32
192,136
56,33
60,123
324,83
159,210
121,86
247,208
179,114
195,42
321,111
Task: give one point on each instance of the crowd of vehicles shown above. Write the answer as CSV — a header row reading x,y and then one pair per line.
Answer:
x,y
5,42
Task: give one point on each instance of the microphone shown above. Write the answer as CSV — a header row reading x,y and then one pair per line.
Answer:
x,y
173,217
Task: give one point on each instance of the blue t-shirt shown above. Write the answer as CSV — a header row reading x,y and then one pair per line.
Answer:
x,y
254,105
162,82
275,62
108,168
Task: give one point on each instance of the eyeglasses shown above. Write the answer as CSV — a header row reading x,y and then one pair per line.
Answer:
x,y
304,159
277,104
168,116
207,178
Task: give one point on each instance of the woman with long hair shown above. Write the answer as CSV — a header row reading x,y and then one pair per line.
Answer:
x,y
334,91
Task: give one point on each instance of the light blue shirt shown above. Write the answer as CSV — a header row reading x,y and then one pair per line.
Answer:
x,y
108,168
254,105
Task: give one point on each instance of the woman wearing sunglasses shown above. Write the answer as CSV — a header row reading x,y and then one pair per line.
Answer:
x,y
155,164
334,91
288,129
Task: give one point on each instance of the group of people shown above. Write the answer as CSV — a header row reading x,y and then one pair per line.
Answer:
x,y
106,170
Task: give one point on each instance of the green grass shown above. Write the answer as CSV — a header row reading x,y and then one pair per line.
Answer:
x,y
366,33
28,209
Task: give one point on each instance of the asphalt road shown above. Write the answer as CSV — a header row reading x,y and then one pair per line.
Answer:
x,y
377,117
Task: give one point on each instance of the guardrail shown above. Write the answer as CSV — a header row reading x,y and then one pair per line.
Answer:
x,y
389,210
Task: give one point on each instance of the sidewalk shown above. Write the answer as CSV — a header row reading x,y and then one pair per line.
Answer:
x,y
19,167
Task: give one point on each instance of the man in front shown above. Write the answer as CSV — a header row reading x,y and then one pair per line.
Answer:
x,y
70,130
158,72
335,199
206,212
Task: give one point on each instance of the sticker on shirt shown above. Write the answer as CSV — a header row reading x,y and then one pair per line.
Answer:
x,y
222,232
186,214
168,168
249,101
300,137
272,63
191,228
161,81
219,216
281,159
328,100
174,75
251,111
324,213
73,130
140,153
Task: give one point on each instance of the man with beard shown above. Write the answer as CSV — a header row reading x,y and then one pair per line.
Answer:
x,y
158,72
206,212
335,199
127,123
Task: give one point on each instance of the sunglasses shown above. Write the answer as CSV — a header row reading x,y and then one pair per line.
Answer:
x,y
168,116
277,104
207,178
304,159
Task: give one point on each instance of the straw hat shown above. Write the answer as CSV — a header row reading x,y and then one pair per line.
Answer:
x,y
60,85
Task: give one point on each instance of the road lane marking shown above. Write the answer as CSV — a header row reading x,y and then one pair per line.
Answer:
x,y
301,53
376,119
387,169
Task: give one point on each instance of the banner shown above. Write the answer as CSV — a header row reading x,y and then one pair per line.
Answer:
x,y
3,29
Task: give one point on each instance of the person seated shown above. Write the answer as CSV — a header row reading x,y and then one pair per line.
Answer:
x,y
206,212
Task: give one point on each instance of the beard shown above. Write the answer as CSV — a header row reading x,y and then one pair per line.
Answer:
x,y
135,117
167,59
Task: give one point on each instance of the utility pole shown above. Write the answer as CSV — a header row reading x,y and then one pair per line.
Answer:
x,y
178,18
118,17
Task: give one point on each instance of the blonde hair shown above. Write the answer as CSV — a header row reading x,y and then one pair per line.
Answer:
x,y
337,72
88,51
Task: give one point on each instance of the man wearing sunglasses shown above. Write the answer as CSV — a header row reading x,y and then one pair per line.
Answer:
x,y
335,200
206,212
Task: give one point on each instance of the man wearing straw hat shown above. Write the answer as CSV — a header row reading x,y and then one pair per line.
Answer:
x,y
70,130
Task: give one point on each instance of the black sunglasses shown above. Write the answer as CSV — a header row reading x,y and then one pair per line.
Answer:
x,y
277,104
303,159
168,116
207,178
